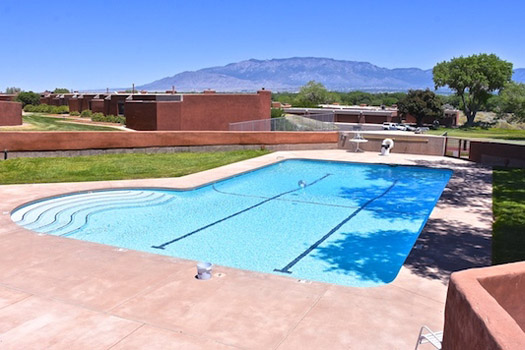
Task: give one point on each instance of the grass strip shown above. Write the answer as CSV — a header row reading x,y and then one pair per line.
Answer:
x,y
508,240
115,166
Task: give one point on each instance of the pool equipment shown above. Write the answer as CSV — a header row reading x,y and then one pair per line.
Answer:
x,y
301,184
386,146
357,140
204,270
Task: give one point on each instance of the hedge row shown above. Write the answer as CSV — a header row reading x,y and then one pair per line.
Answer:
x,y
43,108
99,117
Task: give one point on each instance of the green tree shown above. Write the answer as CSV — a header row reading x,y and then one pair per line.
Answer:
x,y
12,90
512,100
312,94
61,91
473,79
28,98
420,104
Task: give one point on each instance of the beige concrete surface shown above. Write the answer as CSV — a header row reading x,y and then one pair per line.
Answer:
x,y
62,293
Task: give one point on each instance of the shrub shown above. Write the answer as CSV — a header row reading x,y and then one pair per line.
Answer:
x,y
43,108
86,114
28,98
74,114
277,112
99,117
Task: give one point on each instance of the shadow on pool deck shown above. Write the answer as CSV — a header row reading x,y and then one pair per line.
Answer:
x,y
450,241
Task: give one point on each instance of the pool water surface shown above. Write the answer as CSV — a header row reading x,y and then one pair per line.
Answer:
x,y
345,223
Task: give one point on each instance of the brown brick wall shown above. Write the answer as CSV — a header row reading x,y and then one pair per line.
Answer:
x,y
97,105
494,153
142,115
10,113
75,105
209,111
48,141
169,115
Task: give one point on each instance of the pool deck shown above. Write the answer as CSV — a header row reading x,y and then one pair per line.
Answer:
x,y
62,293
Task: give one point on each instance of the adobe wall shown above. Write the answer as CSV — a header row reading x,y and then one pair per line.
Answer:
x,y
141,115
49,141
10,113
85,101
97,105
111,104
414,144
169,115
206,111
75,105
494,153
216,111
485,309
7,97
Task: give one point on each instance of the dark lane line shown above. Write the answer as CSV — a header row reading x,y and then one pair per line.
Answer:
x,y
164,245
287,268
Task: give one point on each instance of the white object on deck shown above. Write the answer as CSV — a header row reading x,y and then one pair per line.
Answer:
x,y
204,270
357,140
434,338
386,146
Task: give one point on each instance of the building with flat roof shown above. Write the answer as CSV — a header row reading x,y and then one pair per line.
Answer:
x,y
205,111
10,113
373,114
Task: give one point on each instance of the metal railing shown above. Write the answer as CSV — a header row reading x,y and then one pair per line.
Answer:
x,y
311,122
457,148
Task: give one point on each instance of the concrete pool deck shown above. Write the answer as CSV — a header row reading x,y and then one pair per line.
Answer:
x,y
62,293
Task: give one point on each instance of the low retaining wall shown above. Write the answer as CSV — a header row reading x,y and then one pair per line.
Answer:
x,y
494,153
485,309
10,113
176,149
66,141
409,143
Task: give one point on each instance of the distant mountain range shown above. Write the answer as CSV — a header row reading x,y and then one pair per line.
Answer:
x,y
289,74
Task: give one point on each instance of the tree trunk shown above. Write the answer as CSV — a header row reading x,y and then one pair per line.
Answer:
x,y
470,118
468,113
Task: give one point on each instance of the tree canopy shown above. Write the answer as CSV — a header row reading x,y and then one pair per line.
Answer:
x,y
28,98
512,100
473,78
61,91
420,104
12,90
313,94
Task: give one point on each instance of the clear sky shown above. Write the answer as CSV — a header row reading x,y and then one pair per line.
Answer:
x,y
109,43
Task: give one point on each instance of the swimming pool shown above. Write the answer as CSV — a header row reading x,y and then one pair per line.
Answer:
x,y
344,223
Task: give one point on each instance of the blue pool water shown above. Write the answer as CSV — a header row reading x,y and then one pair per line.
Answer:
x,y
345,223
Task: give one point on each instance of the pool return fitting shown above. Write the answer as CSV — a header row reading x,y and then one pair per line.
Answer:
x,y
204,270
386,146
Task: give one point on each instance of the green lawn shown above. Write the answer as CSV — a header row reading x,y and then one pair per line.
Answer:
x,y
493,133
508,242
115,166
39,122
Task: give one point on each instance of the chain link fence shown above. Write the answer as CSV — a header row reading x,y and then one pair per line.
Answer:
x,y
310,122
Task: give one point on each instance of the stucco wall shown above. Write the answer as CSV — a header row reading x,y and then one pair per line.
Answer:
x,y
10,113
141,115
207,111
477,309
414,144
494,153
44,141
97,105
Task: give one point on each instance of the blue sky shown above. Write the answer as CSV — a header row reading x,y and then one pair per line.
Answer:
x,y
98,44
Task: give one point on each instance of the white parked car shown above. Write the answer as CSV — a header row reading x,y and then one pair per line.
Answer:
x,y
397,126
389,126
